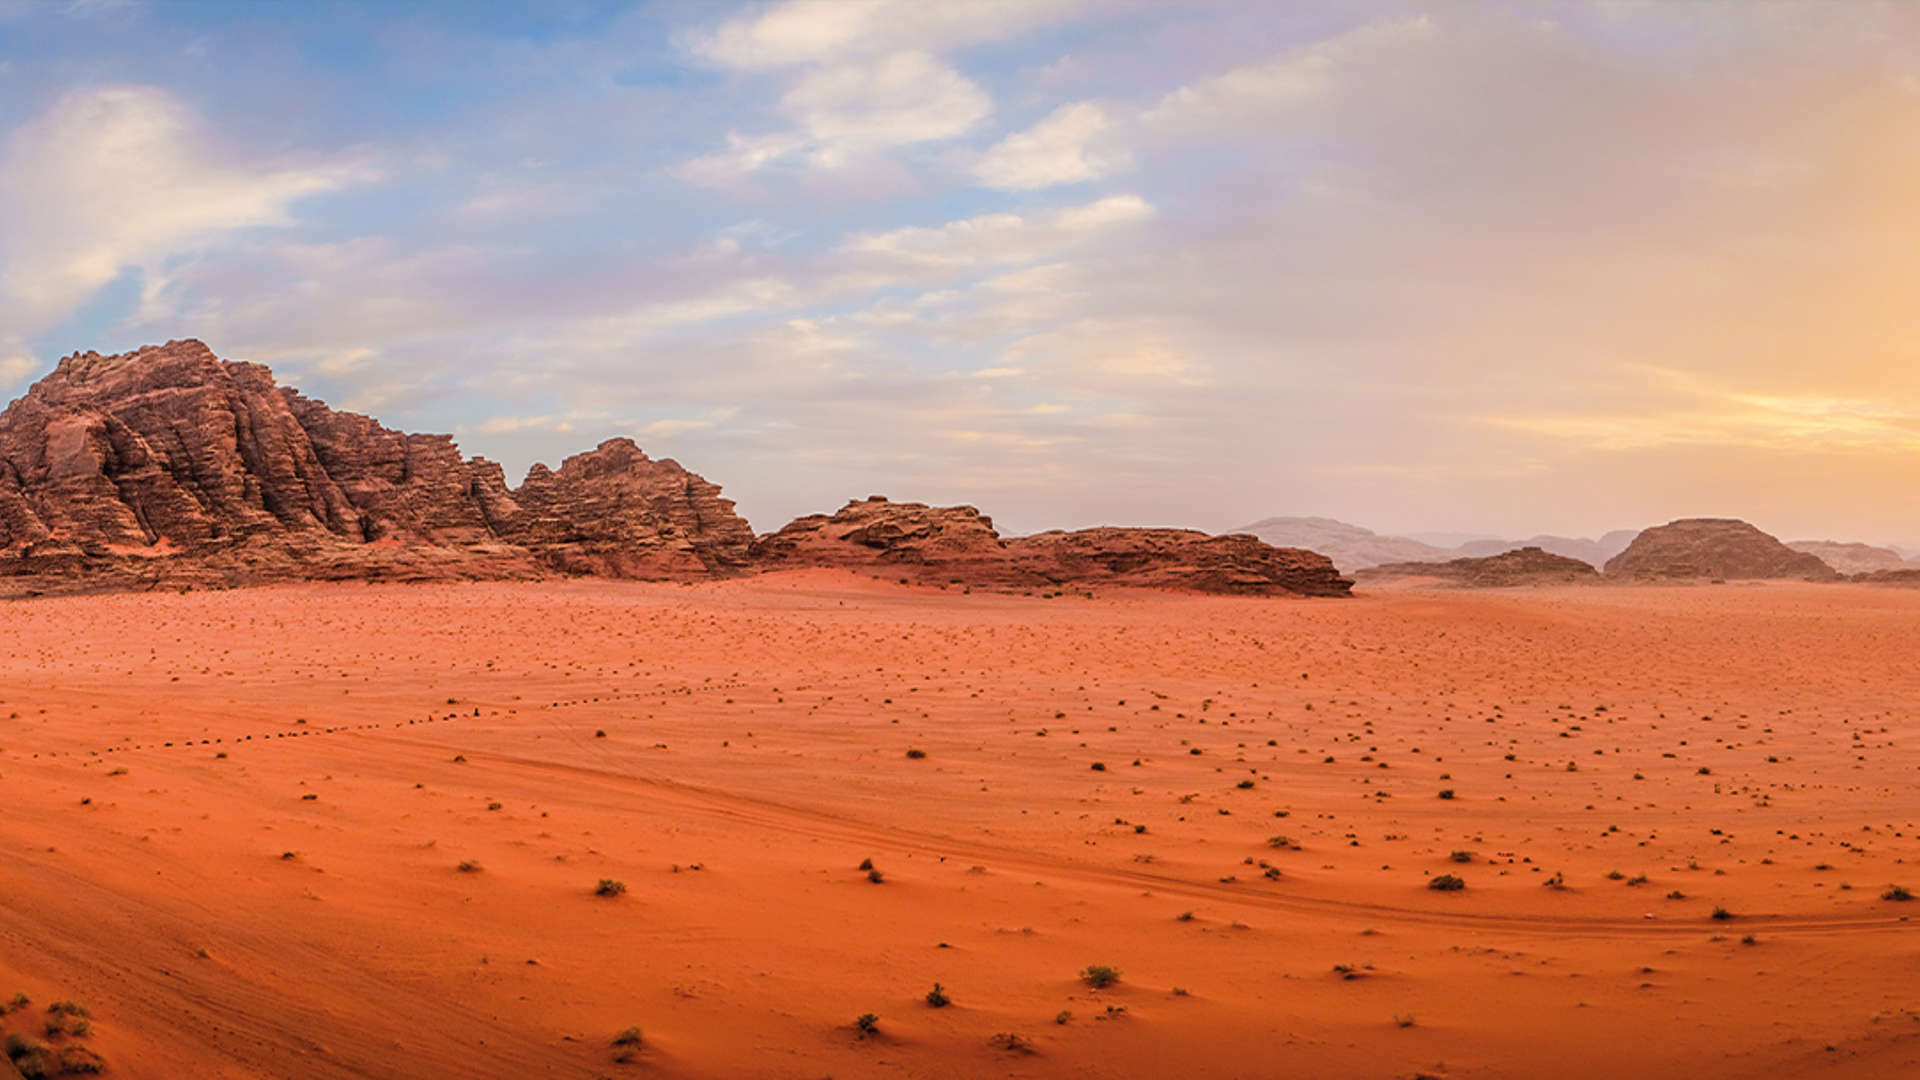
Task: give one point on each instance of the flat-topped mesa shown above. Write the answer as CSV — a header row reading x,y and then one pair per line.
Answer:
x,y
167,464
1183,559
959,545
1725,549
1521,566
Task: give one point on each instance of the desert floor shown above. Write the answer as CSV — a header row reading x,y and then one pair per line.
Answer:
x,y
233,824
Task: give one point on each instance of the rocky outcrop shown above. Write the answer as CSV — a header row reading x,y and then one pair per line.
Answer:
x,y
959,545
1853,558
170,466
1351,547
1523,566
587,517
1909,577
1179,559
167,466
1594,553
1718,548
922,541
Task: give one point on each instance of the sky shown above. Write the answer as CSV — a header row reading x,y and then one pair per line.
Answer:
x,y
1491,268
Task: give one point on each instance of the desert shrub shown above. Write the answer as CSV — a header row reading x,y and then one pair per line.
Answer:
x,y
1099,976
1446,793
1896,892
468,866
1447,883
628,1037
874,875
937,997
867,1024
609,887
1012,1043
1721,914
1461,856
916,753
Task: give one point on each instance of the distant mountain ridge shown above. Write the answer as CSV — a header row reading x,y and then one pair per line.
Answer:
x,y
1687,548
1352,547
1854,558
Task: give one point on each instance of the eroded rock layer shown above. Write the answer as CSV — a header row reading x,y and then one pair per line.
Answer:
x,y
168,465
1726,549
959,545
1522,566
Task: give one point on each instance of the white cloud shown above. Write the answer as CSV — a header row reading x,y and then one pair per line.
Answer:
x,y
1001,238
15,367
1061,149
800,32
123,177
1109,348
1242,101
908,97
846,111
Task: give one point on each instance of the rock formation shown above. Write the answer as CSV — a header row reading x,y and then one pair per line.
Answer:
x,y
1351,547
1523,566
1719,548
1594,553
169,466
959,545
1853,558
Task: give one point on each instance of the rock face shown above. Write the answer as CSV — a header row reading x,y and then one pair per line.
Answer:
x,y
959,545
167,465
1852,558
1351,547
1721,548
1523,566
1909,577
1594,553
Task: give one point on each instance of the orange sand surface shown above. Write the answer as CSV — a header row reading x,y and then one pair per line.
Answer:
x,y
232,826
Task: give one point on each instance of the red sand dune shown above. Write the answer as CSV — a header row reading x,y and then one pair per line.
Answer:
x,y
1743,746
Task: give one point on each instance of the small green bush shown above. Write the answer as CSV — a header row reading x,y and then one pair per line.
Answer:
x,y
1100,976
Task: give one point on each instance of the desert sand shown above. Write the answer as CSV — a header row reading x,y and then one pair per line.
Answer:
x,y
357,830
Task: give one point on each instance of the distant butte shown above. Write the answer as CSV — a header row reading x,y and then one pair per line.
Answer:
x,y
1522,566
1719,548
169,467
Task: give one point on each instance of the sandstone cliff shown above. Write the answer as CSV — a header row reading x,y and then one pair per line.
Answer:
x,y
959,545
1522,566
168,465
1719,548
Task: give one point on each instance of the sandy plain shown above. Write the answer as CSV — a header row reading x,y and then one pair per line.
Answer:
x,y
232,824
